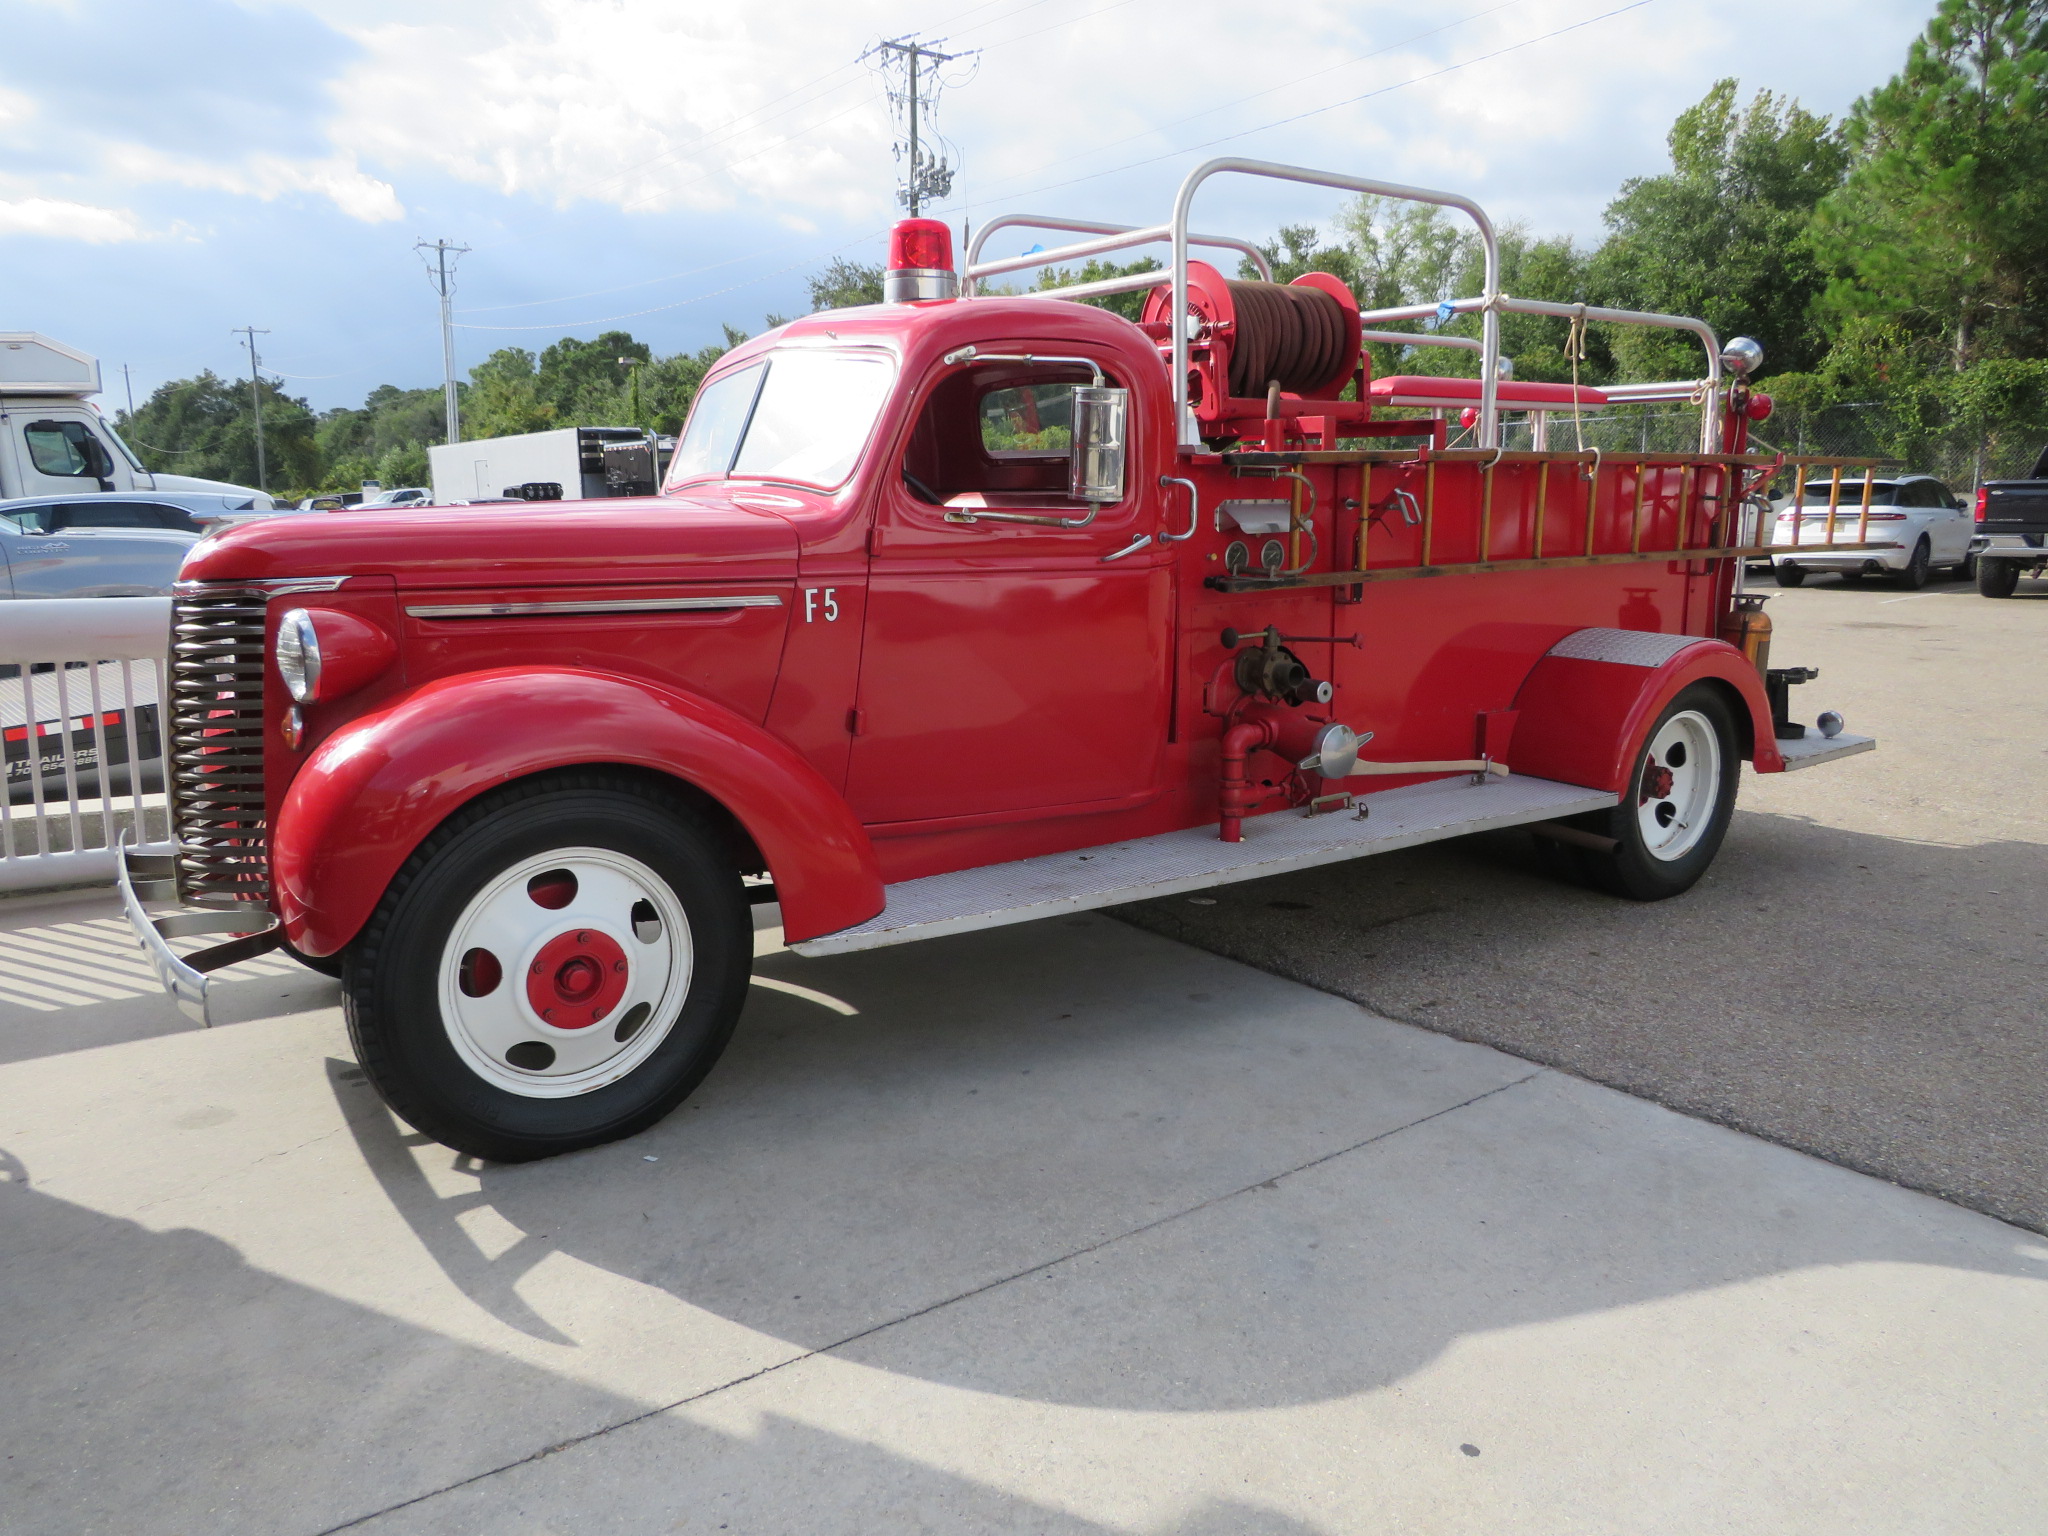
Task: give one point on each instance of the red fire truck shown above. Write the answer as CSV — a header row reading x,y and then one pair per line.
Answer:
x,y
955,611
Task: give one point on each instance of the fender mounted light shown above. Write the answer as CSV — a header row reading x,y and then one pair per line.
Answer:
x,y
323,653
920,262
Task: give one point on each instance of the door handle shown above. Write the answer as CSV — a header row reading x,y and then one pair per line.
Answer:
x,y
1134,546
1194,508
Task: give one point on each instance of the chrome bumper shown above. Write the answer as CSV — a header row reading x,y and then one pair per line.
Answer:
x,y
149,877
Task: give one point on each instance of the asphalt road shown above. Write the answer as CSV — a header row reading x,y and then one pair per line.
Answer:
x,y
1858,976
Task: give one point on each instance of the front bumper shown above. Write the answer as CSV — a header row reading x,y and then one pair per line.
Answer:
x,y
149,877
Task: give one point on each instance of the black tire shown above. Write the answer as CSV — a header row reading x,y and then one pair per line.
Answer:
x,y
1788,574
1634,869
395,981
326,965
1967,571
1914,576
1997,578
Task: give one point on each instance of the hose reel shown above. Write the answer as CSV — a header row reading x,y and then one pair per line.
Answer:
x,y
1302,336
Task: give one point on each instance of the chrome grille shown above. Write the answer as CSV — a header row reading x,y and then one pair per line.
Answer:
x,y
216,744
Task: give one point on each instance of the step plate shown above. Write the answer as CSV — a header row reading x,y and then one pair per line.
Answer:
x,y
1195,858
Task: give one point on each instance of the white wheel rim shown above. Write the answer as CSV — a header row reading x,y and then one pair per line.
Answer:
x,y
1677,785
496,1031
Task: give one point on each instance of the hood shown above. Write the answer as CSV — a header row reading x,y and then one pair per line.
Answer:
x,y
260,500
642,539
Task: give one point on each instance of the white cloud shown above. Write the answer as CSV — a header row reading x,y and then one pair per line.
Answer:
x,y
55,219
266,177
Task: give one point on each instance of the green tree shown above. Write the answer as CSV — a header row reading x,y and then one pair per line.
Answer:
x,y
1130,305
1942,225
204,426
503,398
1726,235
845,285
586,381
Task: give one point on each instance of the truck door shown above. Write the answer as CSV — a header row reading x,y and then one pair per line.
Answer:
x,y
1008,666
58,453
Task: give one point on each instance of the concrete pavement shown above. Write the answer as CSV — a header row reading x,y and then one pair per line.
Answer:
x,y
1066,1228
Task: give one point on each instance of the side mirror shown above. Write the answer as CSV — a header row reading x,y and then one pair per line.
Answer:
x,y
1096,465
98,462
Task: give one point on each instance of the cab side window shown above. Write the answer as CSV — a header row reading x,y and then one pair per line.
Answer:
x,y
28,519
107,514
60,447
1003,429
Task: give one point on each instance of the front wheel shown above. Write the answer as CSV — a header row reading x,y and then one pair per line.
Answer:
x,y
556,967
1678,802
1997,578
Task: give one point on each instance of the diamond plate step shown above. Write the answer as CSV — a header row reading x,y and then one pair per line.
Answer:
x,y
1816,749
1192,859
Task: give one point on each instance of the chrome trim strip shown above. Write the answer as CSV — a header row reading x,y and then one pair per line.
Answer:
x,y
270,586
593,605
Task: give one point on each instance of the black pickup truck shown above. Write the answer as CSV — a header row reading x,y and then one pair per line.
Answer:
x,y
2012,530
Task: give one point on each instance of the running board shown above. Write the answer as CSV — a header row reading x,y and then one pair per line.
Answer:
x,y
1195,858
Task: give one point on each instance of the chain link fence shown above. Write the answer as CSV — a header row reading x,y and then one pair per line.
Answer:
x,y
1960,456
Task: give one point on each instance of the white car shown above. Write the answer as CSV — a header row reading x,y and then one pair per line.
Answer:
x,y
1916,523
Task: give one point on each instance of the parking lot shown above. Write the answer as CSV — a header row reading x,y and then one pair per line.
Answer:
x,y
1076,1228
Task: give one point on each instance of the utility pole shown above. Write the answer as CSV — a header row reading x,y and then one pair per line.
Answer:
x,y
632,367
929,176
250,332
440,275
130,383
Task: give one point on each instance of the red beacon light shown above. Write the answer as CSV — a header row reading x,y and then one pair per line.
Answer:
x,y
920,263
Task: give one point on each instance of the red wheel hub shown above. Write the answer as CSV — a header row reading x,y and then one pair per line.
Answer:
x,y
577,978
1657,782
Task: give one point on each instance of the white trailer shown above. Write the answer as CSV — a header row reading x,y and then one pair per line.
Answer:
x,y
53,439
571,458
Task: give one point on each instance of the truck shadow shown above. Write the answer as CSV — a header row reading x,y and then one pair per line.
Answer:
x,y
156,1381
1130,1175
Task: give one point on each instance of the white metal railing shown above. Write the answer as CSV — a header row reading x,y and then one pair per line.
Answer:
x,y
1489,305
1122,237
81,680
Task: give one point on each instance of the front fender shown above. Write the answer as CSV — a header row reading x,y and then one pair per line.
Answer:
x,y
372,792
1586,706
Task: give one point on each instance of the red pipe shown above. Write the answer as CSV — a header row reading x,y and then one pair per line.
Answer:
x,y
1239,742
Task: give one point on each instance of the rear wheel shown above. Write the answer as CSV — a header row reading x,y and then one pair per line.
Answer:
x,y
555,968
1997,578
1913,575
1678,802
1788,574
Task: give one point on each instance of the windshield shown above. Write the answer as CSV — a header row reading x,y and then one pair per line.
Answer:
x,y
797,416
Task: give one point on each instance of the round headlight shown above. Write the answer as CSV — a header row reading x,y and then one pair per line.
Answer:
x,y
298,655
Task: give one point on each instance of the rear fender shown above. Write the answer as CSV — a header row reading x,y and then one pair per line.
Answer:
x,y
373,791
1586,707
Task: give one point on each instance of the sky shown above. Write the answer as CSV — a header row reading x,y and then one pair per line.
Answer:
x,y
173,169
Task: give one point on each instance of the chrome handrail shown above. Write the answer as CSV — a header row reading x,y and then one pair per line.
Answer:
x,y
975,268
1189,434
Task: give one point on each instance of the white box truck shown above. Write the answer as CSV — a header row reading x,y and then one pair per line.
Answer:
x,y
580,463
53,440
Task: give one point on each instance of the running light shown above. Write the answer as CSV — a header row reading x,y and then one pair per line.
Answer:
x,y
920,262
